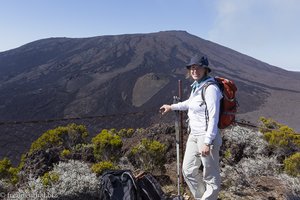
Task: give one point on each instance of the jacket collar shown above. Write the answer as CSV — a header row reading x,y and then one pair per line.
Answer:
x,y
200,83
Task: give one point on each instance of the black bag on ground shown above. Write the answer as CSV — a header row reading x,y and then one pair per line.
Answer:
x,y
176,198
118,185
149,187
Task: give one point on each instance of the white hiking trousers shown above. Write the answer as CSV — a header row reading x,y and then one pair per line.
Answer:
x,y
206,185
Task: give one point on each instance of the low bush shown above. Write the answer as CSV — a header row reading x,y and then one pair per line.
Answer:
x,y
67,180
65,153
292,164
283,138
5,164
149,155
227,154
280,137
125,133
268,124
50,178
107,146
67,136
8,172
100,167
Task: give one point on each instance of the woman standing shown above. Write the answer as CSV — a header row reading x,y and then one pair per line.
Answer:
x,y
204,141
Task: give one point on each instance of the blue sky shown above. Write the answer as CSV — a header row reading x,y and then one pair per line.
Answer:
x,y
268,30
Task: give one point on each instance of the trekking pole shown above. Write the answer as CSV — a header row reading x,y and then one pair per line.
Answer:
x,y
181,131
176,100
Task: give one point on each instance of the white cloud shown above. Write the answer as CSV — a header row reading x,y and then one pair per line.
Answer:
x,y
267,30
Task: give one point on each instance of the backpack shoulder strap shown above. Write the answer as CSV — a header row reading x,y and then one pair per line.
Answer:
x,y
208,83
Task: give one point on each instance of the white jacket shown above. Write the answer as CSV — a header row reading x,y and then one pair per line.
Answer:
x,y
196,111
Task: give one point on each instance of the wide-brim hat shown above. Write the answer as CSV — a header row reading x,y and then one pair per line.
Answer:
x,y
201,61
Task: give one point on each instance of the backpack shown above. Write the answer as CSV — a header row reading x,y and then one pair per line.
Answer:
x,y
118,185
228,104
149,187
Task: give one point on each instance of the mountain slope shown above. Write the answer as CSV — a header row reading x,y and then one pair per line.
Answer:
x,y
64,77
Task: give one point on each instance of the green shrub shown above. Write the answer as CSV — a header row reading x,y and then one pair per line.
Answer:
x,y
149,155
292,165
268,124
113,131
107,146
50,178
100,167
280,138
14,175
22,162
68,136
296,139
65,153
227,154
279,135
127,133
5,164
8,172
